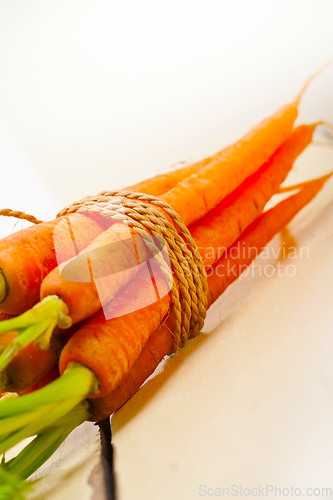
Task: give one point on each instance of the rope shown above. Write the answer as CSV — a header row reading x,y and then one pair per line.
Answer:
x,y
149,216
146,215
7,212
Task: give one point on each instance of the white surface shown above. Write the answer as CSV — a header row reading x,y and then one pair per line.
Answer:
x,y
99,94
248,402
67,475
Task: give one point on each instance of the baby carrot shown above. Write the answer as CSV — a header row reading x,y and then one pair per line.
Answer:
x,y
213,234
78,349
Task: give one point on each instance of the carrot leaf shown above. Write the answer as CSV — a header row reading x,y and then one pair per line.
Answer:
x,y
12,487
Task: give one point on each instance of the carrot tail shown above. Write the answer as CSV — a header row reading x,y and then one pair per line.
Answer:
x,y
310,80
305,184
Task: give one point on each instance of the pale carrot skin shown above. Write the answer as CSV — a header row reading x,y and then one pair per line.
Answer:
x,y
224,272
214,233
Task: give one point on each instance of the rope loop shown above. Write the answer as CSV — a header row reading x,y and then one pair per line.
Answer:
x,y
149,215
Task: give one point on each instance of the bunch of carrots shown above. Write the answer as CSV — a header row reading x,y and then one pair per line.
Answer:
x,y
60,353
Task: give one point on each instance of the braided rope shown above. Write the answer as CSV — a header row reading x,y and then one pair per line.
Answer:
x,y
7,212
146,214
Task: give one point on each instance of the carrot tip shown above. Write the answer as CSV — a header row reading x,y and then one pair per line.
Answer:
x,y
310,80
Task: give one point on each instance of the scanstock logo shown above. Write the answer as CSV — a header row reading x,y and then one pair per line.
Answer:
x,y
111,265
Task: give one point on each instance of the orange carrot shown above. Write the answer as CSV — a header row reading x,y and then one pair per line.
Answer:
x,y
217,231
32,363
197,195
89,343
223,273
160,184
213,234
114,336
27,256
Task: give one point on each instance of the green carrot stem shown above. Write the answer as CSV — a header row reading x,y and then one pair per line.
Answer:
x,y
39,424
51,306
44,445
76,381
14,422
3,287
12,487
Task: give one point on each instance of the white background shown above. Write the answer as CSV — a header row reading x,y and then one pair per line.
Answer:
x,y
100,94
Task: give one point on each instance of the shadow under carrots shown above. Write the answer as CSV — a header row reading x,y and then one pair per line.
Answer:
x,y
309,222
154,384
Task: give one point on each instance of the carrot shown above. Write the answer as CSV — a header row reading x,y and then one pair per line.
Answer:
x,y
195,196
30,363
222,275
114,336
161,184
213,234
123,352
27,256
26,367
